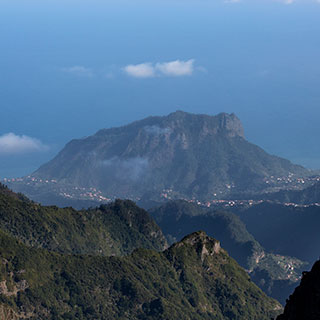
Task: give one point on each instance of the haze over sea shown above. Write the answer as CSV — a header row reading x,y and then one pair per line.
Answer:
x,y
70,68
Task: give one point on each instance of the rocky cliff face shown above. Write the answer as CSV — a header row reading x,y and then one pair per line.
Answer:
x,y
232,124
304,303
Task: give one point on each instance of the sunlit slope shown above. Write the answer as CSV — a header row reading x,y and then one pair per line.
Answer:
x,y
114,229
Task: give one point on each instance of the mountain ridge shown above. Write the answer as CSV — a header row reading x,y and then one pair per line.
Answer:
x,y
181,155
116,228
193,279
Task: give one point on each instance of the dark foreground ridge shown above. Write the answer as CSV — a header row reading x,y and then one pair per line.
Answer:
x,y
304,303
112,229
193,279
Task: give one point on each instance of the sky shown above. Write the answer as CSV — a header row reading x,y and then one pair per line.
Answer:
x,y
69,68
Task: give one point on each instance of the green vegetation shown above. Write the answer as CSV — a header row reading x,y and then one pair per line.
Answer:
x,y
114,229
193,279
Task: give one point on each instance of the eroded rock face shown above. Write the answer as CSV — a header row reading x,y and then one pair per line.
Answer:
x,y
12,290
204,245
7,313
200,238
14,287
232,124
20,286
304,303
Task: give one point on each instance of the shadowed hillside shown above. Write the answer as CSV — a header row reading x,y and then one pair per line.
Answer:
x,y
276,274
304,303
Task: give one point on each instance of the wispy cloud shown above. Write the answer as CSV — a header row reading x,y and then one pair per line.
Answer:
x,y
156,130
11,143
288,1
232,1
79,71
176,68
142,70
123,169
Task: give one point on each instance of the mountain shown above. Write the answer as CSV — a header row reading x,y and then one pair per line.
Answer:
x,y
175,156
268,270
193,279
286,229
114,229
307,196
304,303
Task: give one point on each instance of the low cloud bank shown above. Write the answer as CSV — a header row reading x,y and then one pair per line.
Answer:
x,y
79,71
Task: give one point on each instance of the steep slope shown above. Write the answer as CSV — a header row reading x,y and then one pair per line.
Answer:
x,y
182,154
193,279
307,196
288,230
304,303
179,218
276,274
114,229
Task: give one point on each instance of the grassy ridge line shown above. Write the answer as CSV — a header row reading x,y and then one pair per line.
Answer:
x,y
193,279
114,229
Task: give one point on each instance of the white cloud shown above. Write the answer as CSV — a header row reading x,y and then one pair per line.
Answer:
x,y
142,70
232,1
176,68
11,143
79,71
287,2
172,69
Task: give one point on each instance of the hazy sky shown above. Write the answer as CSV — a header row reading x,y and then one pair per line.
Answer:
x,y
70,68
